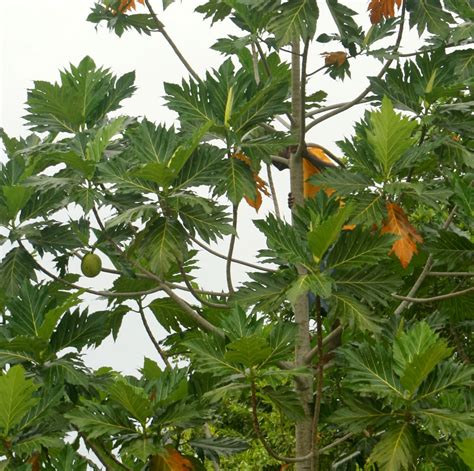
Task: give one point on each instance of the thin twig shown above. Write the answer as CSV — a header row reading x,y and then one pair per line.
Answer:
x,y
431,49
110,294
162,30
201,321
323,109
269,74
450,273
160,351
328,153
314,351
453,294
362,95
336,442
171,285
426,270
234,260
318,70
195,294
273,191
230,252
104,456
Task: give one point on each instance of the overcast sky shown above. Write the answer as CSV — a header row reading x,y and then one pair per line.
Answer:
x,y
41,37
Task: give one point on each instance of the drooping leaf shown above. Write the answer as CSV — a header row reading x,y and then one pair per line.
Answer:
x,y
358,416
319,284
78,330
283,241
452,249
343,182
396,450
349,32
466,451
162,242
219,446
382,9
397,223
97,420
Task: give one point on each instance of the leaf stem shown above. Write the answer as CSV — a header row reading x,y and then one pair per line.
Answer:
x,y
161,29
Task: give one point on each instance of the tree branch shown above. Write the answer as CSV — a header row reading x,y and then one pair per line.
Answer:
x,y
161,29
155,343
110,294
234,260
273,191
314,351
200,321
453,294
105,457
450,273
362,95
195,294
230,252
328,153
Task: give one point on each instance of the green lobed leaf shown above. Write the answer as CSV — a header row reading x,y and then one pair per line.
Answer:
x,y
324,234
416,353
396,450
83,97
17,397
319,284
371,370
133,399
353,313
16,267
390,135
359,247
296,18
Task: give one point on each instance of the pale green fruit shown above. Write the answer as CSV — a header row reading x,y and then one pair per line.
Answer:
x,y
91,265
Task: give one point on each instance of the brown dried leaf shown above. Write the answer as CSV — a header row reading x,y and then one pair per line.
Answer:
x,y
382,9
397,223
338,57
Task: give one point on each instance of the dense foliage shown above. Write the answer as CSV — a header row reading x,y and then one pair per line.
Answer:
x,y
354,326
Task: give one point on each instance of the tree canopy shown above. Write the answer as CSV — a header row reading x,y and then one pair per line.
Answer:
x,y
349,343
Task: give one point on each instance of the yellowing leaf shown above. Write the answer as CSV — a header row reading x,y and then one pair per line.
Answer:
x,y
310,190
382,9
172,460
397,223
126,5
337,57
260,185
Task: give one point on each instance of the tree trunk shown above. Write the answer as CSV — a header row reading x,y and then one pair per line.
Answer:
x,y
304,388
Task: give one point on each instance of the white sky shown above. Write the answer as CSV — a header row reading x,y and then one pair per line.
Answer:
x,y
40,37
